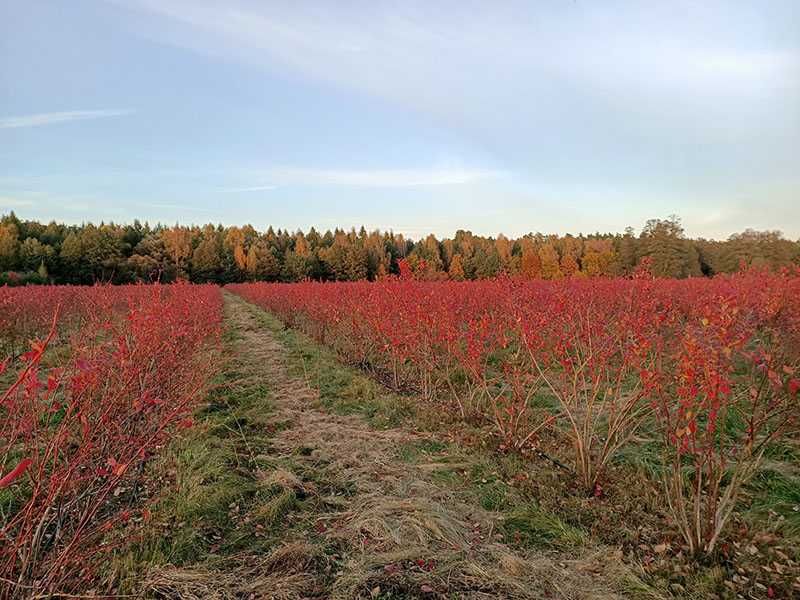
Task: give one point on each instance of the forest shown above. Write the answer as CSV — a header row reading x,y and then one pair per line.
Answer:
x,y
32,252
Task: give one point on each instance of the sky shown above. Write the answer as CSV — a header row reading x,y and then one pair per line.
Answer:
x,y
416,116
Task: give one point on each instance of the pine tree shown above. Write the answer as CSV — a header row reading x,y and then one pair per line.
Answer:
x,y
42,271
207,257
32,253
672,255
627,253
9,245
72,259
295,265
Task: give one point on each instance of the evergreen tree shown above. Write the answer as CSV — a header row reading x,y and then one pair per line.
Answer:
x,y
71,256
672,255
207,257
627,253
138,252
296,265
42,271
33,253
9,246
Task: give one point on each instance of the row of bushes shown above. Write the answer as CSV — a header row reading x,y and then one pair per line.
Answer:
x,y
116,372
712,365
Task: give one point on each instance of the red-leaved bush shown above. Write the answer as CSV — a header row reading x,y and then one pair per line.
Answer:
x,y
724,388
27,312
712,364
76,431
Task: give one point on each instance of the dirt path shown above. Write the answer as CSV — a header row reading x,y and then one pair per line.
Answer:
x,y
355,520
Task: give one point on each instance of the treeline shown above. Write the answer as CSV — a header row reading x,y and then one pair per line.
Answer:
x,y
31,252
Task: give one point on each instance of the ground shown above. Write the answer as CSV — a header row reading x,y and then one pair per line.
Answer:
x,y
305,479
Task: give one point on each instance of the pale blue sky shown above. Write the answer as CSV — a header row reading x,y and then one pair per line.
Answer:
x,y
549,116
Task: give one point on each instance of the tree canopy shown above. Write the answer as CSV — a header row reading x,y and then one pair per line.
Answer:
x,y
108,252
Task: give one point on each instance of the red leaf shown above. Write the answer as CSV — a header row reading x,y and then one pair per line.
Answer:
x,y
15,473
186,423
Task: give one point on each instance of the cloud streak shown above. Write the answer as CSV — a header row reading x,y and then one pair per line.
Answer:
x,y
6,202
256,188
41,119
397,178
180,207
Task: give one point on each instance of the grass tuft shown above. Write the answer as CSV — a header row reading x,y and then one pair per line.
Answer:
x,y
533,527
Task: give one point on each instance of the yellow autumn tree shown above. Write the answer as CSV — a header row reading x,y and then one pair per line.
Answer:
x,y
456,270
301,247
597,258
178,245
240,257
503,248
548,258
530,263
569,266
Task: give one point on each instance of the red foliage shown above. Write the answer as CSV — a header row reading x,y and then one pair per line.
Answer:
x,y
612,352
27,312
79,432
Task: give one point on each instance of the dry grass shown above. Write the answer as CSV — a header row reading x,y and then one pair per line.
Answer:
x,y
286,573
372,525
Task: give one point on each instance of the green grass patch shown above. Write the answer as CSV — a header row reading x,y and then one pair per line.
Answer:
x,y
273,510
446,477
420,450
531,526
342,389
211,475
779,494
647,457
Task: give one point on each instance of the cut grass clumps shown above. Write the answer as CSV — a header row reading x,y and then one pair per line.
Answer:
x,y
530,526
281,493
271,512
286,572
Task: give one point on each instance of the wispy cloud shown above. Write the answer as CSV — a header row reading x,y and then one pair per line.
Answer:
x,y
40,119
6,202
380,177
256,188
180,207
536,83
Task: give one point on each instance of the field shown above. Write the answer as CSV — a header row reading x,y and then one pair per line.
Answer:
x,y
579,438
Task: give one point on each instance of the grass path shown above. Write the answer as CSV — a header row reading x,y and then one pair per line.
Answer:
x,y
283,494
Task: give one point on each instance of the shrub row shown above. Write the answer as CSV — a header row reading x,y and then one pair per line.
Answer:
x,y
76,431
712,365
